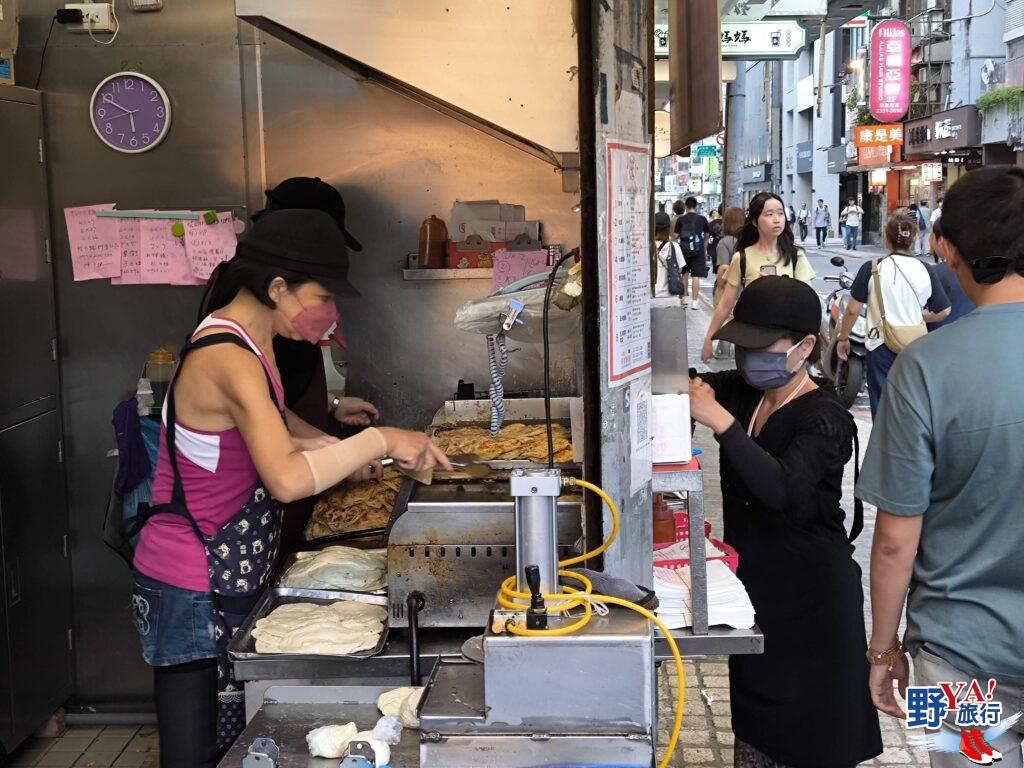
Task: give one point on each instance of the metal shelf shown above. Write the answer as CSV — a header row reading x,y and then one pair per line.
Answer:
x,y
448,274
719,641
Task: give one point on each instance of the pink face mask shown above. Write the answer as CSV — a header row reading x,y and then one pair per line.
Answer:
x,y
313,323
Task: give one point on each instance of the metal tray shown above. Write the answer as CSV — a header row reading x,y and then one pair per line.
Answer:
x,y
374,597
243,644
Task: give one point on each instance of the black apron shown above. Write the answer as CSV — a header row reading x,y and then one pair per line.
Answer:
x,y
240,557
807,594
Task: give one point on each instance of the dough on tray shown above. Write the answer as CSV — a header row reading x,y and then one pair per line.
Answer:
x,y
338,628
355,506
514,441
344,568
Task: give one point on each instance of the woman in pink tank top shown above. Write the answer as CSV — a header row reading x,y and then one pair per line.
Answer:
x,y
230,453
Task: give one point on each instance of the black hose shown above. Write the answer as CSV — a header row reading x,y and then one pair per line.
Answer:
x,y
414,603
42,58
547,356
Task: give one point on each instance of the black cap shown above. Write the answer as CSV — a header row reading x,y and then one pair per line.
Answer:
x,y
768,309
304,241
306,192
662,220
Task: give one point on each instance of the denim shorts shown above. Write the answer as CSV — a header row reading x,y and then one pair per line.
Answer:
x,y
175,625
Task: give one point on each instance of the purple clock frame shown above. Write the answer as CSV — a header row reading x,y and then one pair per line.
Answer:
x,y
130,112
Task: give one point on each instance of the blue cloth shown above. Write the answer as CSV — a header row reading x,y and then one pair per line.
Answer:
x,y
959,304
133,462
175,625
851,235
948,445
880,360
142,493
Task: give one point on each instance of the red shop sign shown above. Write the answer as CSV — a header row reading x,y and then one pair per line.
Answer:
x,y
890,71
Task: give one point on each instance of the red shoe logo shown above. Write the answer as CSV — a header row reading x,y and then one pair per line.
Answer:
x,y
983,746
969,750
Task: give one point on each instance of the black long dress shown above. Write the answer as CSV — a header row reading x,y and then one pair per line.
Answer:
x,y
805,701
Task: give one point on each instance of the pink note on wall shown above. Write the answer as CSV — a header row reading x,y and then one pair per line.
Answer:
x,y
163,258
207,245
131,256
95,243
510,266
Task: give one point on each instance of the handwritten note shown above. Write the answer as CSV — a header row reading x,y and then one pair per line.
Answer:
x,y
163,257
510,266
131,255
95,243
207,245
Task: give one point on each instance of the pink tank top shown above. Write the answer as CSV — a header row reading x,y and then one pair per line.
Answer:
x,y
218,476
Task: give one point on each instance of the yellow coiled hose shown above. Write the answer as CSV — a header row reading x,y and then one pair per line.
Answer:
x,y
570,598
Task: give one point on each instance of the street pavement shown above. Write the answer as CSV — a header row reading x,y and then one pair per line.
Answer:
x,y
707,739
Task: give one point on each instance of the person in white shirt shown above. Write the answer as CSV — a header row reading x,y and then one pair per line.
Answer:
x,y
664,245
851,217
911,295
937,213
801,217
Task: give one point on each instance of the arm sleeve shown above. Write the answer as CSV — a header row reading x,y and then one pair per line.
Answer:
x,y
802,269
861,282
938,301
729,387
333,463
900,459
821,445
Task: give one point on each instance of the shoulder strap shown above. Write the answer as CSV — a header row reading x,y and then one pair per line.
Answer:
x,y
858,506
743,268
878,288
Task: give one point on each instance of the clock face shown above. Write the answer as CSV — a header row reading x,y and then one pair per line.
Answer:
x,y
130,112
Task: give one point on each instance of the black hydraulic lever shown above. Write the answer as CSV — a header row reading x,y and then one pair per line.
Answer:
x,y
537,615
414,603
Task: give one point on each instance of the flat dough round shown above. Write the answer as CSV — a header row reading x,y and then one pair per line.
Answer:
x,y
335,629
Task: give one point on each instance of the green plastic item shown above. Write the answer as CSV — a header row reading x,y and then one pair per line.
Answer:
x,y
210,217
178,229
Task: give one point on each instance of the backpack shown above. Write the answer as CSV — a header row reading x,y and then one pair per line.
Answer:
x,y
689,240
676,286
716,233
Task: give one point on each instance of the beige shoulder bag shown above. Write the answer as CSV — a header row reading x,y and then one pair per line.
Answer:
x,y
896,337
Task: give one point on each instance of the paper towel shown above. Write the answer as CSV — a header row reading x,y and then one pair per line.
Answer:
x,y
672,429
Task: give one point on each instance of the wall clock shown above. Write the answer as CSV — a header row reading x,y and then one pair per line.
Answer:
x,y
130,112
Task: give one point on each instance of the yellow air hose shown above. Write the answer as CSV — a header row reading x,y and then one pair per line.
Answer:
x,y
569,598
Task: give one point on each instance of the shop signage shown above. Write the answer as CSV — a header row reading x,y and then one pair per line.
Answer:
x,y
958,128
805,157
756,174
767,39
874,155
931,172
890,71
877,178
706,150
878,135
837,159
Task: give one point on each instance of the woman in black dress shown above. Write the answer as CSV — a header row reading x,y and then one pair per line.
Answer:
x,y
784,442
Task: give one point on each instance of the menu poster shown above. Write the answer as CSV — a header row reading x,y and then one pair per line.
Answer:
x,y
131,255
207,245
94,242
163,254
629,272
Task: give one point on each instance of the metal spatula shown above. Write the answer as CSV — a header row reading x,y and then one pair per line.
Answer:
x,y
470,464
425,476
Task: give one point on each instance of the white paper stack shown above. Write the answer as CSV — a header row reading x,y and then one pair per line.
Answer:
x,y
681,551
671,429
728,602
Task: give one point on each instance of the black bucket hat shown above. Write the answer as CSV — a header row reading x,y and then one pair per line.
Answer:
x,y
770,308
307,192
301,240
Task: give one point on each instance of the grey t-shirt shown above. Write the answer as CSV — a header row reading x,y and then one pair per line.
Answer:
x,y
948,444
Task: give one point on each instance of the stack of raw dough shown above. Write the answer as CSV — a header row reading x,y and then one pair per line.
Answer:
x,y
514,441
333,629
340,568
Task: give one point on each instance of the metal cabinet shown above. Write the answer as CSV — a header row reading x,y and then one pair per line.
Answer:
x,y
35,574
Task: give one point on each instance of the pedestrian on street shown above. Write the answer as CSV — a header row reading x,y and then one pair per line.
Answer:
x,y
678,209
944,468
801,217
692,234
666,248
765,247
959,303
791,216
851,216
901,295
923,223
784,441
822,221
937,213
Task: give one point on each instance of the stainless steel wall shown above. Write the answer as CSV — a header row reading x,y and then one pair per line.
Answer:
x,y
396,162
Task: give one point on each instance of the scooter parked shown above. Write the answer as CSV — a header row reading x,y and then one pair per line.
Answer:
x,y
848,377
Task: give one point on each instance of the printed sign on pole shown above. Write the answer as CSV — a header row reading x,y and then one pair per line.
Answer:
x,y
768,39
890,71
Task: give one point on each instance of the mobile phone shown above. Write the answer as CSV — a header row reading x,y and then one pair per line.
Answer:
x,y
768,269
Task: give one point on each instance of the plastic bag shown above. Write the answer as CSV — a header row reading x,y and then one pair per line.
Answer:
x,y
388,729
483,316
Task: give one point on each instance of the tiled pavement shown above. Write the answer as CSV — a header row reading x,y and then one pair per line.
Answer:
x,y
116,746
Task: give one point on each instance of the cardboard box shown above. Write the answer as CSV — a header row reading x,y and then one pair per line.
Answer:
x,y
9,27
482,210
6,68
472,253
497,231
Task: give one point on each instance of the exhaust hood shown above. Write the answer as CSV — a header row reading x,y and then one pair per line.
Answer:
x,y
507,68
